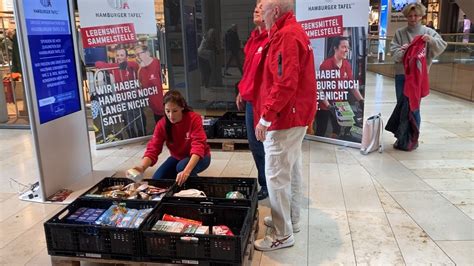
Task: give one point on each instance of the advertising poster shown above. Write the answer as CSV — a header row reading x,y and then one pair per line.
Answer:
x,y
52,58
338,33
122,67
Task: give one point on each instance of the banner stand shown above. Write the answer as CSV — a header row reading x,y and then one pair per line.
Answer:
x,y
121,142
338,31
333,141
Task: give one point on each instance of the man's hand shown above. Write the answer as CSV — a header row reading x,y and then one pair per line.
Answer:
x,y
260,132
239,102
182,177
405,46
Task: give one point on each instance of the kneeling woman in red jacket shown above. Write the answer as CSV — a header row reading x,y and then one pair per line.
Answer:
x,y
182,131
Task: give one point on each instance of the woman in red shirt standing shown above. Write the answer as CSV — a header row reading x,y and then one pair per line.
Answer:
x,y
184,135
253,55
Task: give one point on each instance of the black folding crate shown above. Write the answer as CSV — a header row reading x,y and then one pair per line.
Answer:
x,y
116,181
209,125
165,246
95,241
231,126
216,189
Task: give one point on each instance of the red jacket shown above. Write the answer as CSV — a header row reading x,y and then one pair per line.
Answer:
x,y
345,72
285,82
120,75
188,138
150,76
416,73
253,55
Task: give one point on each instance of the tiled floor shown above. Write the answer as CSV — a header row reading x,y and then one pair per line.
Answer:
x,y
413,208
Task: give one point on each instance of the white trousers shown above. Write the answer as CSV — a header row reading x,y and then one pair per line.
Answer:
x,y
283,170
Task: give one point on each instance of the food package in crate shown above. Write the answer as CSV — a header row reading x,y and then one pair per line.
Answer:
x,y
138,190
122,217
231,126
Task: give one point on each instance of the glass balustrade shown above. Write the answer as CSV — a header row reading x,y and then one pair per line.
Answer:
x,y
452,72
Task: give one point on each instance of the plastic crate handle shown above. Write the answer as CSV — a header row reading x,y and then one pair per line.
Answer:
x,y
63,214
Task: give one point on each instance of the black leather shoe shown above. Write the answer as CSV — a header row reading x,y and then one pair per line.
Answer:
x,y
262,194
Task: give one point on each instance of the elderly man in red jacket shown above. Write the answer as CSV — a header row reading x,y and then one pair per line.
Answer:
x,y
285,104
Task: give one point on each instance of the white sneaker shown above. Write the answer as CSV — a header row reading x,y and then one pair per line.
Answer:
x,y
267,220
271,242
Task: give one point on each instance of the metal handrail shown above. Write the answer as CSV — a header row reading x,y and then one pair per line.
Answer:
x,y
460,43
456,34
449,43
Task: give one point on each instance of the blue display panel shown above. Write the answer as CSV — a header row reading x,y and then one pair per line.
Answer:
x,y
52,57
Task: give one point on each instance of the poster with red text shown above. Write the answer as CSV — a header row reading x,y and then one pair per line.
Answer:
x,y
337,30
121,67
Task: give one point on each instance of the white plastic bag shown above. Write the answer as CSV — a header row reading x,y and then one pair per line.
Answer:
x,y
193,193
372,135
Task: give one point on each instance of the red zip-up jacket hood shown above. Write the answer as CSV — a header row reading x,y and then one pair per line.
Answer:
x,y
253,55
285,81
416,73
188,138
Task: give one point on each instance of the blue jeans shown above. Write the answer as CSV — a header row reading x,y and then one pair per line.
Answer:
x,y
399,85
172,166
256,147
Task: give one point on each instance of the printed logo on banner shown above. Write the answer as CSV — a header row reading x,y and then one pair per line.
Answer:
x,y
323,27
109,34
46,3
119,4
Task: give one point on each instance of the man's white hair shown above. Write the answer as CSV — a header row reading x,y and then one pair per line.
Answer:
x,y
284,5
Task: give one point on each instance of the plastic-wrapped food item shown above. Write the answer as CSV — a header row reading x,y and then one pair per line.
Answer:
x,y
142,186
130,187
128,218
234,195
94,216
139,190
221,230
140,217
85,215
152,190
202,230
117,187
167,226
190,228
171,218
134,174
133,195
143,195
117,194
73,217
113,215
